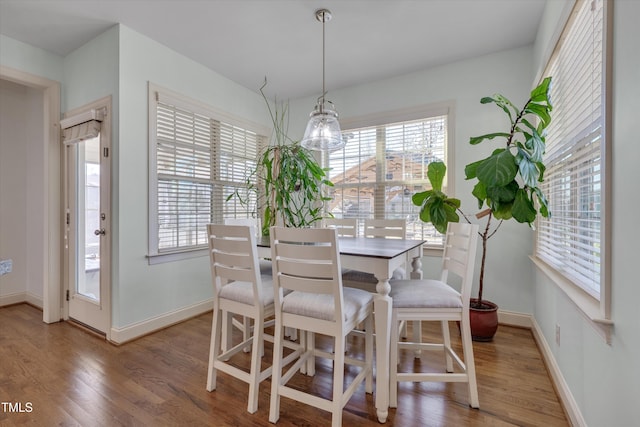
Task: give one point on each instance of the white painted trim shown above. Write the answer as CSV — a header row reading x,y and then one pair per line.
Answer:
x,y
14,298
137,330
34,300
511,318
566,398
51,305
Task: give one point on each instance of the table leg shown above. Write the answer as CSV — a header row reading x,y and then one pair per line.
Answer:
x,y
416,270
382,306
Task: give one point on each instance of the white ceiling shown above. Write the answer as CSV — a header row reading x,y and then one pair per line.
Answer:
x,y
246,40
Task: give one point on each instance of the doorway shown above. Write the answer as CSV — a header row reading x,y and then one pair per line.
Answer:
x,y
87,238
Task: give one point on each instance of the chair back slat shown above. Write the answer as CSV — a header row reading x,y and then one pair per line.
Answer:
x,y
347,227
307,251
306,284
307,260
459,255
387,228
233,256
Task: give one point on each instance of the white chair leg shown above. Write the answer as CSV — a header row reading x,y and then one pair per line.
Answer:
x,y
338,382
447,344
311,347
467,349
214,349
276,374
393,362
368,354
246,332
417,337
254,374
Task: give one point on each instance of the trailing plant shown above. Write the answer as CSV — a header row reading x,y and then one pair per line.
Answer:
x,y
507,180
287,182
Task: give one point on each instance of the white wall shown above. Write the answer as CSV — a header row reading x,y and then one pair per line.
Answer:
x,y
21,192
144,291
509,273
605,379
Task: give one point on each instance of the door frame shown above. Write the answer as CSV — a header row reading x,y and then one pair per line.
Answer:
x,y
51,217
105,105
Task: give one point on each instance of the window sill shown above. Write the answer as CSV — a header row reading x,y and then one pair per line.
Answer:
x,y
176,256
589,307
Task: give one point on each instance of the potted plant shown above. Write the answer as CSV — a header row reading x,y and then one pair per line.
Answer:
x,y
506,187
287,183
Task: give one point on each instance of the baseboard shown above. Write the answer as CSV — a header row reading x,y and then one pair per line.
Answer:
x,y
512,318
562,388
137,330
11,299
34,300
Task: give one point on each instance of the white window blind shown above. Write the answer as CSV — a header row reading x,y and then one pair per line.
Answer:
x,y
571,239
199,161
382,166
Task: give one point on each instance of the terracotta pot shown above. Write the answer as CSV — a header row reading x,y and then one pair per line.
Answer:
x,y
484,320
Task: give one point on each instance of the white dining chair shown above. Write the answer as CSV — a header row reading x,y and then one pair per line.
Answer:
x,y
437,300
238,289
347,227
307,264
384,228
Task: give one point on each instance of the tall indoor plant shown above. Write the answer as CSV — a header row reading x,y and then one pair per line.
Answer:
x,y
507,183
287,182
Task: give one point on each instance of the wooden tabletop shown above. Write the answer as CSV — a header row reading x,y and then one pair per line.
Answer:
x,y
375,247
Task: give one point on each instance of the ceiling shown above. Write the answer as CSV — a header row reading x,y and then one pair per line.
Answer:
x,y
248,40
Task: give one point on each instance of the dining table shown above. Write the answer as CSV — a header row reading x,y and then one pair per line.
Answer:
x,y
380,257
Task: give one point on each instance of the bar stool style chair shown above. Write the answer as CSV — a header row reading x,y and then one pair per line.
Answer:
x,y
436,300
388,229
238,289
347,227
307,262
265,270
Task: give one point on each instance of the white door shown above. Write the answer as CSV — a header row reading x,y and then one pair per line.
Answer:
x,y
87,237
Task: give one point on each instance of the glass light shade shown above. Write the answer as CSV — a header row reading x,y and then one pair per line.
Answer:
x,y
323,130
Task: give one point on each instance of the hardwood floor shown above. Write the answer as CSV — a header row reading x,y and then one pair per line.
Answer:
x,y
71,377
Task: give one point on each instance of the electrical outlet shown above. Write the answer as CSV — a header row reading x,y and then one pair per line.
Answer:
x,y
557,334
6,266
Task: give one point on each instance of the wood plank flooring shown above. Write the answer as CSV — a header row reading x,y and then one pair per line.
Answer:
x,y
71,377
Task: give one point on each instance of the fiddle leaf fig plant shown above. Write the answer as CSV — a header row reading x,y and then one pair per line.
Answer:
x,y
287,183
507,180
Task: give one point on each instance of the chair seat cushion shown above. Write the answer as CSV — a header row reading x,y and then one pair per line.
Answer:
x,y
322,306
243,291
424,294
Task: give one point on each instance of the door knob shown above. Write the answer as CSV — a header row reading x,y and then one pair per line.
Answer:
x,y
100,232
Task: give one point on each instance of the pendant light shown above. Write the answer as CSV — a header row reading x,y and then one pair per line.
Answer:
x,y
323,130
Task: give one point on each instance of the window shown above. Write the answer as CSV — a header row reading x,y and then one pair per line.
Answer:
x,y
198,157
383,165
573,240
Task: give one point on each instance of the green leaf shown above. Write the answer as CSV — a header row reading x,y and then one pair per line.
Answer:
x,y
502,210
528,170
419,198
480,191
541,92
504,194
474,140
523,209
470,169
436,172
498,169
544,205
542,111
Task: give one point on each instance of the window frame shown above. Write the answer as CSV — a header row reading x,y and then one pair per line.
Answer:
x,y
596,310
421,112
157,94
